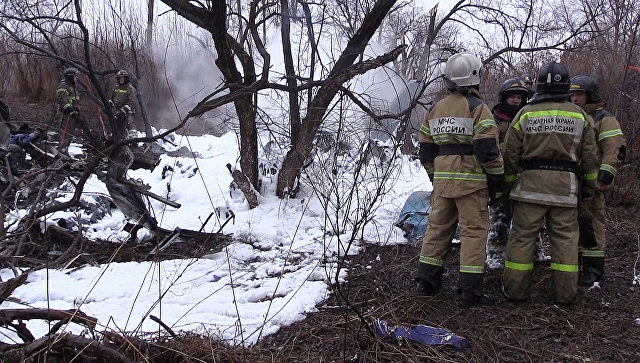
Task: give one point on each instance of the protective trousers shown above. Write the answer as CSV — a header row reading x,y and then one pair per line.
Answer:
x,y
68,127
562,225
593,258
471,212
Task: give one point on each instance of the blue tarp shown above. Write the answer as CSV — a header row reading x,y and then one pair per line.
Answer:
x,y
414,216
424,334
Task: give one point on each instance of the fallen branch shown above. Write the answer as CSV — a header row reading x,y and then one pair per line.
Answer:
x,y
162,324
26,352
7,316
6,288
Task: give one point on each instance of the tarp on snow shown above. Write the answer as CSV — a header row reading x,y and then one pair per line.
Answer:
x,y
414,217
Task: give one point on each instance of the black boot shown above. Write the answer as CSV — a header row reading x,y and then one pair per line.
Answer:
x,y
470,299
592,270
430,278
470,291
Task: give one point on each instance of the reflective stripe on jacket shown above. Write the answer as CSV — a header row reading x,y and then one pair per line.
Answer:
x,y
550,131
66,96
461,120
610,141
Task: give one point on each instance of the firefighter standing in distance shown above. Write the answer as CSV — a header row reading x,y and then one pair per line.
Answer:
x,y
528,82
547,140
68,97
611,144
122,98
459,149
122,191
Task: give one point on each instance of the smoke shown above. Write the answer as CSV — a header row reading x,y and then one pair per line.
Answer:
x,y
185,64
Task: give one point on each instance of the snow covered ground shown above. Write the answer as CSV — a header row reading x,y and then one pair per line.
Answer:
x,y
278,269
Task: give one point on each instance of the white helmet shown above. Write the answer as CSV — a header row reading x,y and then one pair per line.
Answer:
x,y
463,69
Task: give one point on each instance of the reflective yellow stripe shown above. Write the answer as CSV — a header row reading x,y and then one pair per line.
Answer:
x,y
609,168
592,253
609,133
510,178
459,176
425,129
494,171
461,139
483,125
431,261
564,267
472,269
120,90
548,113
591,176
518,266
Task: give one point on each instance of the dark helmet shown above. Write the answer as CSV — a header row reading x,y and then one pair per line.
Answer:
x,y
587,85
71,71
123,74
526,78
512,85
553,78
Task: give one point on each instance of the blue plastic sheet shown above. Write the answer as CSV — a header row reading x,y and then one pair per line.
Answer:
x,y
414,217
424,334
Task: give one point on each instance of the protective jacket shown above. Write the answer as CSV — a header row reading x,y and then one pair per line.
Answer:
x,y
546,140
609,139
459,144
123,95
67,97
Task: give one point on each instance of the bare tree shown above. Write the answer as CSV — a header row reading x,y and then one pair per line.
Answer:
x,y
243,87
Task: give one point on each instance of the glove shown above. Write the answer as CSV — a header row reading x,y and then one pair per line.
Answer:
x,y
587,191
119,114
496,185
72,111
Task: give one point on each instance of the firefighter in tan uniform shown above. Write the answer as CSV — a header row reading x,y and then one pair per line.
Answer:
x,y
123,98
512,97
585,93
546,141
68,97
122,191
459,149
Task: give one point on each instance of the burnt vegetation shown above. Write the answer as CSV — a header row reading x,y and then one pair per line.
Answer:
x,y
38,41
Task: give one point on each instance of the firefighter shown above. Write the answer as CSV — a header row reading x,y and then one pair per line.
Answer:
x,y
528,82
68,116
611,147
122,191
511,98
546,141
459,149
122,98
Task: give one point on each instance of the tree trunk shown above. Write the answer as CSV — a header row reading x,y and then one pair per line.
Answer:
x,y
292,165
149,32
